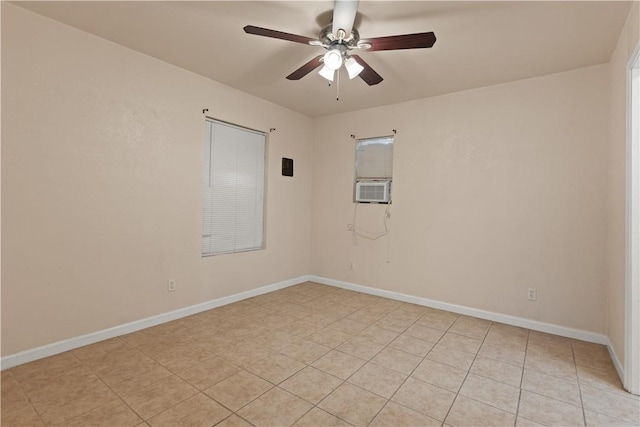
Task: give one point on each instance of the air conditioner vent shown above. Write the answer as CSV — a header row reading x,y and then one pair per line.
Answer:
x,y
373,191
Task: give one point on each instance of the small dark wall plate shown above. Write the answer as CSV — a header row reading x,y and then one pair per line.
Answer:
x,y
287,167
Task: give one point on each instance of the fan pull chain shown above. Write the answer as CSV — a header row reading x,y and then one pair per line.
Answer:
x,y
338,85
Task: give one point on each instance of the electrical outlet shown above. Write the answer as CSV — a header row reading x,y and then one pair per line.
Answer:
x,y
532,295
352,265
172,285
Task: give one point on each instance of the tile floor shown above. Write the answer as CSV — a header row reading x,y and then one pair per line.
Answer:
x,y
315,355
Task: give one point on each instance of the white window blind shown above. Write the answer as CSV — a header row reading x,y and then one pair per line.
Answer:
x,y
374,158
233,189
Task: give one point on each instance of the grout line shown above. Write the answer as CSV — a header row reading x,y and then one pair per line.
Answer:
x,y
354,308
366,362
370,360
386,347
241,417
24,393
518,407
466,376
423,359
575,367
106,385
134,348
524,362
277,385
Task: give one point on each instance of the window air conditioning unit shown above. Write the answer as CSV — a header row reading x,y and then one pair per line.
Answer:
x,y
373,191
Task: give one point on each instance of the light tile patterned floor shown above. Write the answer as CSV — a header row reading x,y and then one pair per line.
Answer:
x,y
315,355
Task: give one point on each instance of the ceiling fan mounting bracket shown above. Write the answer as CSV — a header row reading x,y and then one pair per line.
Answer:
x,y
329,39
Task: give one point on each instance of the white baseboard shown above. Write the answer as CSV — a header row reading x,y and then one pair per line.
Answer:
x,y
26,356
616,361
61,346
468,311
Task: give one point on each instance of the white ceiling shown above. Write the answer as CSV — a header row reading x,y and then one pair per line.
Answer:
x,y
478,43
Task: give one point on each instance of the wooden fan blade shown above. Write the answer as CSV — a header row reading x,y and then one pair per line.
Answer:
x,y
306,68
250,29
369,76
405,41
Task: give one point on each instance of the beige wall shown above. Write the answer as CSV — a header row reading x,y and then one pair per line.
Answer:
x,y
629,38
495,190
102,153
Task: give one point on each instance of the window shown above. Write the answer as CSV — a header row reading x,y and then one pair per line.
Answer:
x,y
374,170
374,158
233,219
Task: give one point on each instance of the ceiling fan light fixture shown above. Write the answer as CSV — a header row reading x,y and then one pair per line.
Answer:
x,y
327,73
353,68
333,59
340,38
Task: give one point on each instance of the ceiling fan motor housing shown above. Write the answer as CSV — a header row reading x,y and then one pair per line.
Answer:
x,y
328,38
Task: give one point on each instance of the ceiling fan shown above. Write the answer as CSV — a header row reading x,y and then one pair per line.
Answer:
x,y
339,39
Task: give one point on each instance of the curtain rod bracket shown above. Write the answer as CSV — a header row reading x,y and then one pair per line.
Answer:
x,y
353,136
272,130
394,131
205,111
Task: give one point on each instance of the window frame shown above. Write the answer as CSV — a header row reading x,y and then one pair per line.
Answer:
x,y
207,180
358,178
